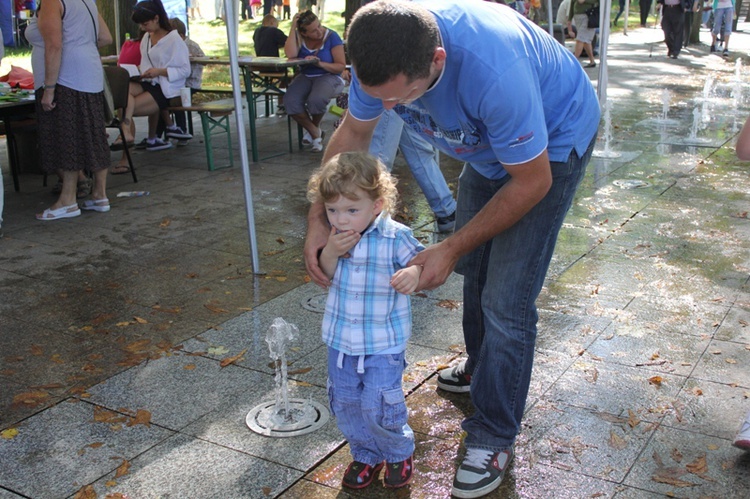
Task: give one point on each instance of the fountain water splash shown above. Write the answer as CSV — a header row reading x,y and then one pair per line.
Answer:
x,y
665,101
607,152
695,127
285,417
278,337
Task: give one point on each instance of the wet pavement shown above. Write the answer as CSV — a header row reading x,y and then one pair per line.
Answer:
x,y
115,327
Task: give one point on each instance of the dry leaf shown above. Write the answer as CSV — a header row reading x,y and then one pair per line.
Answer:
x,y
123,324
698,466
86,492
30,399
280,240
655,380
633,420
449,304
697,391
102,415
670,480
123,469
110,484
165,223
140,320
616,441
730,361
57,359
231,360
9,433
301,383
142,416
267,491
215,309
189,367
36,350
304,370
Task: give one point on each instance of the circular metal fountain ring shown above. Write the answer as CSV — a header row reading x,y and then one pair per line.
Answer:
x,y
307,416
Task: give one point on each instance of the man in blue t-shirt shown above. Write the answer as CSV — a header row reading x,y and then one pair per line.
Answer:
x,y
445,66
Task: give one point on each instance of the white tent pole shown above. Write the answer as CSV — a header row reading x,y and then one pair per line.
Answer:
x,y
601,84
551,26
117,28
232,27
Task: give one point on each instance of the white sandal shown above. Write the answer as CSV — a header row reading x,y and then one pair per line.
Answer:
x,y
69,211
100,205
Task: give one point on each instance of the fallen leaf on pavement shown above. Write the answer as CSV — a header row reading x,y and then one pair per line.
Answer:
x,y
9,434
633,420
231,360
698,466
304,370
697,391
123,469
140,320
102,415
86,492
616,441
280,240
165,223
189,367
449,304
655,380
215,309
36,350
142,416
30,399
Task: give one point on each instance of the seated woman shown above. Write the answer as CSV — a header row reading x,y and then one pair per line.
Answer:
x,y
165,65
309,93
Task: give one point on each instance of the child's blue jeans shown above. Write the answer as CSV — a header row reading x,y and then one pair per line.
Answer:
x,y
370,408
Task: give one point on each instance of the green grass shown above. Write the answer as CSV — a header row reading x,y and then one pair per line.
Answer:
x,y
210,35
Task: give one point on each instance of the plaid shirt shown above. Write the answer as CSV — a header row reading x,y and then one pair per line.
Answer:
x,y
364,314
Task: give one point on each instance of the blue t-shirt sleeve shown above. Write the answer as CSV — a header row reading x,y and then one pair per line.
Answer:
x,y
362,106
513,114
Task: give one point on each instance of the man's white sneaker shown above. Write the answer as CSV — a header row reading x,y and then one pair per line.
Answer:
x,y
317,145
455,379
481,472
742,440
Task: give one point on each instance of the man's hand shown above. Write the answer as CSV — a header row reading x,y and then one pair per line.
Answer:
x,y
317,237
405,280
438,262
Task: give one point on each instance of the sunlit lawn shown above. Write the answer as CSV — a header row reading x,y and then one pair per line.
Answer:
x,y
210,35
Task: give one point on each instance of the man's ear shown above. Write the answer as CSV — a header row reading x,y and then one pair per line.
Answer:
x,y
438,58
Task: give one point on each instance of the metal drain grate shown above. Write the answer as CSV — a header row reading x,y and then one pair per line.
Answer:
x,y
306,417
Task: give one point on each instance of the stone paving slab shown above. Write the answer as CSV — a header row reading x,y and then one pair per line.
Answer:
x,y
63,448
200,470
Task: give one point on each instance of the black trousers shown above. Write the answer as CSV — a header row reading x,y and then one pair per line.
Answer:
x,y
673,25
645,6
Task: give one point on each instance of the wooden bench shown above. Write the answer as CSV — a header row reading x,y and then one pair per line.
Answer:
x,y
214,114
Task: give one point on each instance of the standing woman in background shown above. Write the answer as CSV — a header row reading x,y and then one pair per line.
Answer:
x,y
69,84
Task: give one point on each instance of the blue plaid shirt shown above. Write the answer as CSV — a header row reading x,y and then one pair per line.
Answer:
x,y
364,314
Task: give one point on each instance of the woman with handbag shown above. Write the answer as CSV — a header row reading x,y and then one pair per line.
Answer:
x,y
585,15
69,85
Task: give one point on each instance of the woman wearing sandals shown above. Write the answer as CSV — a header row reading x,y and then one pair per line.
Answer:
x,y
69,85
165,65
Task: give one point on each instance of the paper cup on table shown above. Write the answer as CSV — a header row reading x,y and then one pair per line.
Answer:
x,y
185,96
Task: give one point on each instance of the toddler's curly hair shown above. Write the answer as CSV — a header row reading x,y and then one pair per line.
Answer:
x,y
347,171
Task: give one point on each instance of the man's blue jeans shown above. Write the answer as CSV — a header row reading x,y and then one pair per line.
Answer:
x,y
370,408
502,280
422,158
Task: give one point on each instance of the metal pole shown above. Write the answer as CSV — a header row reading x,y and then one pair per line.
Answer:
x,y
627,16
232,28
602,81
117,28
549,11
